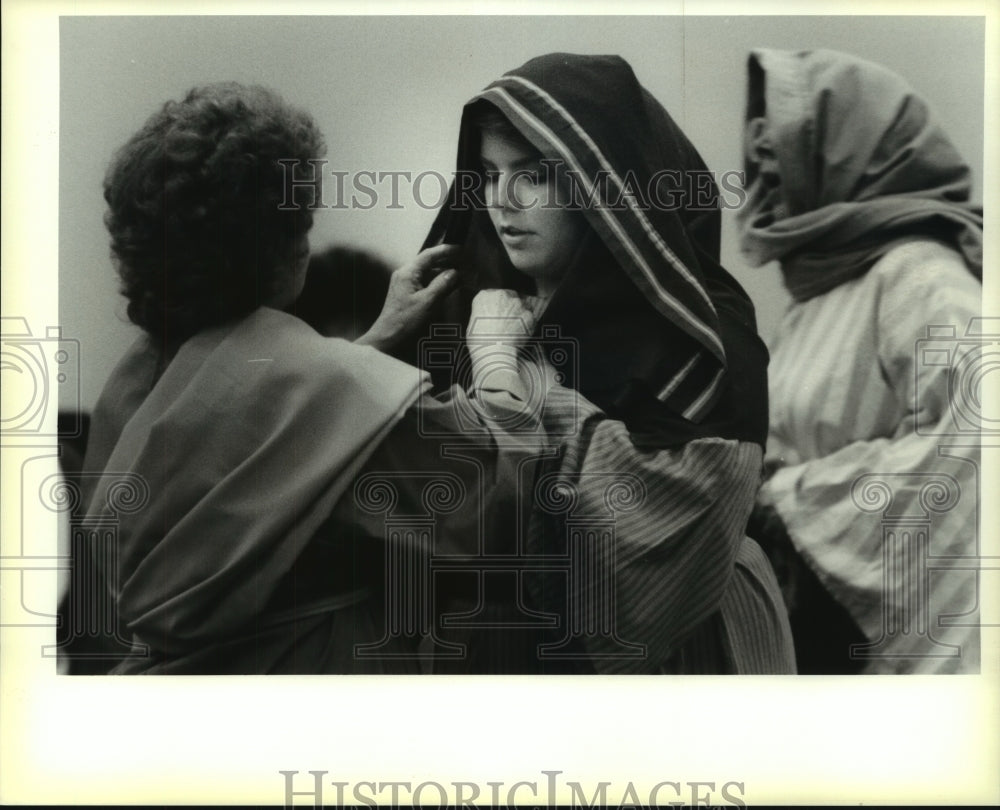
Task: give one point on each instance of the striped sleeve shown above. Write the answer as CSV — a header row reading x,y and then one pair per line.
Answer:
x,y
830,501
677,533
758,637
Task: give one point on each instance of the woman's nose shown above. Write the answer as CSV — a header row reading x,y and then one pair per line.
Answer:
x,y
512,191
504,194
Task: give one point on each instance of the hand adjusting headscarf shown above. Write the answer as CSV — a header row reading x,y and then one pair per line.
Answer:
x,y
666,338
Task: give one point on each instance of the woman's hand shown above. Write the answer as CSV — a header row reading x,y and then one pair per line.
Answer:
x,y
501,317
500,324
413,289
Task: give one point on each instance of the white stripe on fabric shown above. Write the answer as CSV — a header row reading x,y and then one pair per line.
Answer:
x,y
674,557
678,378
845,381
613,223
704,398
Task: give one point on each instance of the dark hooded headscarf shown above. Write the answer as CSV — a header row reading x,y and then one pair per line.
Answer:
x,y
862,165
666,338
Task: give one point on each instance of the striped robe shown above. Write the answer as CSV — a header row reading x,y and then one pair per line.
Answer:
x,y
686,584
638,524
863,422
632,561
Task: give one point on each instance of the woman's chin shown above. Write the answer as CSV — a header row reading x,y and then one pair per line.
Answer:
x,y
524,266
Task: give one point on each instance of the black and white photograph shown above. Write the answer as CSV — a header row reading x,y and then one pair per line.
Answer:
x,y
466,349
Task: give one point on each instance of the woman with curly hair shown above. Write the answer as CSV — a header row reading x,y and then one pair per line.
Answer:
x,y
243,430
197,225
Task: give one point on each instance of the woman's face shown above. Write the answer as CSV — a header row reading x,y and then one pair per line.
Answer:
x,y
538,232
760,151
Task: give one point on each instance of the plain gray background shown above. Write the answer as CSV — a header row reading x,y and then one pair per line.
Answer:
x,y
387,92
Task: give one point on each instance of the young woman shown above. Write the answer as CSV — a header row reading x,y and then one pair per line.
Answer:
x,y
574,191
863,200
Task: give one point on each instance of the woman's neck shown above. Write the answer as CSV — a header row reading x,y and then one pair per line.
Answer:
x,y
544,288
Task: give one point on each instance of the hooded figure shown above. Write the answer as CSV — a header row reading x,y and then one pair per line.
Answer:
x,y
666,336
576,189
863,200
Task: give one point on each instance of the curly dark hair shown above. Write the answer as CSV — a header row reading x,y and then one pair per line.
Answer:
x,y
194,199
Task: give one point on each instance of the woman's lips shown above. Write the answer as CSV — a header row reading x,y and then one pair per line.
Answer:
x,y
512,236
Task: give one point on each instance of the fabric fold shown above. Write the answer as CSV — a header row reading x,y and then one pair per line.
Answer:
x,y
862,165
274,421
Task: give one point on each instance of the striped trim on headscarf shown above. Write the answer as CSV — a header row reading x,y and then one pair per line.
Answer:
x,y
639,243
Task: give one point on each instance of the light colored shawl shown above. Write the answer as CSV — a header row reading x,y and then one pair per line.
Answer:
x,y
862,166
245,443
